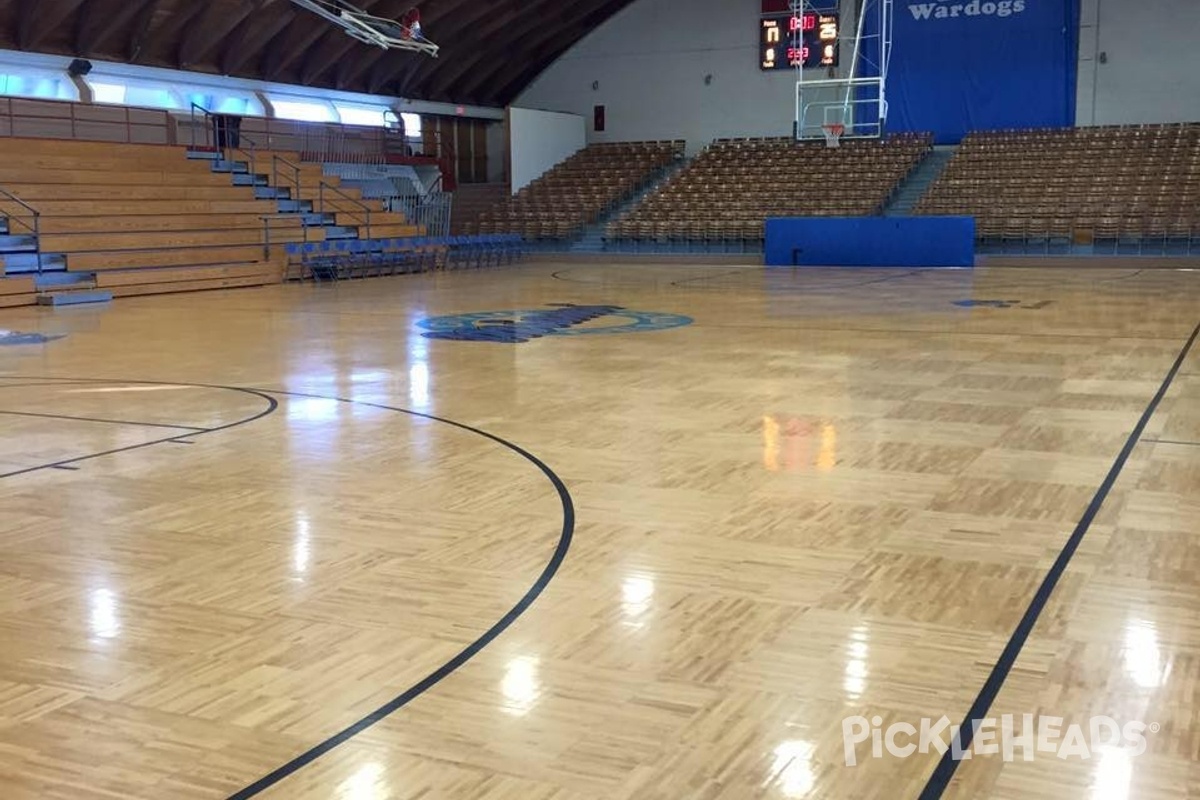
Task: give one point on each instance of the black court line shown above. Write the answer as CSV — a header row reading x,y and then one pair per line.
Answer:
x,y
467,653
433,678
943,332
561,275
939,781
807,289
98,419
272,405
1133,274
726,273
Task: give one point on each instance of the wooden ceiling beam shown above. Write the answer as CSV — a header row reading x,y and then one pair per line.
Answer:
x,y
303,33
168,35
350,72
250,40
98,21
334,49
381,80
481,32
137,34
216,24
541,41
37,18
490,49
445,21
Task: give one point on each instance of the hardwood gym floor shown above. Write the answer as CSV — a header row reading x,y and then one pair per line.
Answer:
x,y
835,494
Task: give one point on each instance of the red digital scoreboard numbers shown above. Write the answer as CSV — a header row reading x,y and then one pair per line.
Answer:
x,y
787,41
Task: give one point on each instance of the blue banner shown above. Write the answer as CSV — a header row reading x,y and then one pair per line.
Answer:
x,y
964,65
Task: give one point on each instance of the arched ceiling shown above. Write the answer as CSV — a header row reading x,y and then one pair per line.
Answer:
x,y
490,49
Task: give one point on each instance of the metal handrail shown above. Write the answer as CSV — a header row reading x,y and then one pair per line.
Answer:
x,y
321,202
266,221
276,160
430,211
35,228
252,153
192,123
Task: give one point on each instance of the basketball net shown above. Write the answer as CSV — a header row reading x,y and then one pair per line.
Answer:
x,y
833,134
410,24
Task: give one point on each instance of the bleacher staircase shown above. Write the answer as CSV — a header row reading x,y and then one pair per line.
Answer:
x,y
905,200
592,239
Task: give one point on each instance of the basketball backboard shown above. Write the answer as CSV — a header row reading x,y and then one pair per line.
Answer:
x,y
377,31
856,100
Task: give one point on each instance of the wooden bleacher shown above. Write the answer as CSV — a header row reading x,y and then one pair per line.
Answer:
x,y
144,219
16,291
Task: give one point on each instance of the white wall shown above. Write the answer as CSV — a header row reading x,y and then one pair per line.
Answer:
x,y
539,140
651,60
1152,72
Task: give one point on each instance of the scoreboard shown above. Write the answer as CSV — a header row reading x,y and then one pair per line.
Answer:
x,y
787,41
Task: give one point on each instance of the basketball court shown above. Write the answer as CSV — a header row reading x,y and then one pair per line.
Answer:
x,y
655,523
661,539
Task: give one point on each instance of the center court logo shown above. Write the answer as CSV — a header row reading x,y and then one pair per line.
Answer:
x,y
558,319
974,8
991,737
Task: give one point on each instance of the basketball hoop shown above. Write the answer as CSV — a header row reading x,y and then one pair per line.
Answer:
x,y
833,134
388,34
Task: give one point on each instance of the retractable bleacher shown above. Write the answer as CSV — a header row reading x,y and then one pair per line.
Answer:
x,y
146,219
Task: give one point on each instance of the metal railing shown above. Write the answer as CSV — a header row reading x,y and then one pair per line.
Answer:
x,y
430,211
59,119
362,208
250,152
205,127
226,137
279,177
267,219
34,226
348,144
42,118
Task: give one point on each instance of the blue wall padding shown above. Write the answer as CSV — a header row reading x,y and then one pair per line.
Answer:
x,y
871,241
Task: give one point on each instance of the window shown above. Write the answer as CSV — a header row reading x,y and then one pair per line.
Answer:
x,y
143,94
361,115
236,105
205,101
303,112
150,97
243,105
108,92
51,87
412,125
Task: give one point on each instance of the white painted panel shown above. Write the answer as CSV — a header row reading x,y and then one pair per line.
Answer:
x,y
540,139
1152,66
